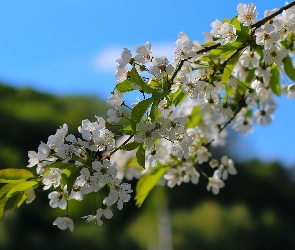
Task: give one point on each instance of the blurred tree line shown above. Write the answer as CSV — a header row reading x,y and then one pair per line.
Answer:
x,y
255,210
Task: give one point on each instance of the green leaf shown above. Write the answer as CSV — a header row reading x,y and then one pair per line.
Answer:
x,y
20,187
67,173
236,23
159,94
140,155
127,130
250,76
21,200
288,67
2,207
154,110
71,180
124,86
147,183
194,118
274,82
226,20
138,111
229,67
178,97
9,204
226,50
14,175
138,81
243,32
63,179
4,190
130,146
58,164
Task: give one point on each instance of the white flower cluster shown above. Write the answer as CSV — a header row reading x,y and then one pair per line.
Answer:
x,y
64,154
185,109
195,77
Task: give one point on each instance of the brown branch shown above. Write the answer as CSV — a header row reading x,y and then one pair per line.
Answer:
x,y
266,19
216,45
242,105
206,49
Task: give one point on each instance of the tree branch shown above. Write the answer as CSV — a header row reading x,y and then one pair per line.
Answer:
x,y
266,19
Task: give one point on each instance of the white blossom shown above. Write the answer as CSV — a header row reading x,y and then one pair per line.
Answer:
x,y
247,14
64,223
144,53
215,183
125,58
226,167
52,178
174,176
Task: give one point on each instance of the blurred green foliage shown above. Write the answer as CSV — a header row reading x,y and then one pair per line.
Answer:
x,y
255,210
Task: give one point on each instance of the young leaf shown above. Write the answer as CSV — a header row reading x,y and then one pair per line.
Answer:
x,y
2,207
130,146
10,203
146,184
127,130
140,155
139,110
14,175
21,201
274,82
20,187
226,50
71,180
138,81
124,86
154,110
236,23
195,117
229,67
178,97
58,164
288,67
250,76
64,179
5,189
67,173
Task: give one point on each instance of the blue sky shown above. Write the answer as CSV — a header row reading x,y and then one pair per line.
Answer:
x,y
70,47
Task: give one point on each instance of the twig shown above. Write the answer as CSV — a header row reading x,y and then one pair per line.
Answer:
x,y
266,19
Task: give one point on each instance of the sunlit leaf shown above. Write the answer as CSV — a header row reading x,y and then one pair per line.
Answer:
x,y
147,183
71,180
195,117
21,200
2,207
9,204
127,130
154,110
124,86
236,23
5,189
226,50
274,82
67,173
140,155
14,175
20,187
138,81
288,67
229,67
130,146
139,110
178,97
